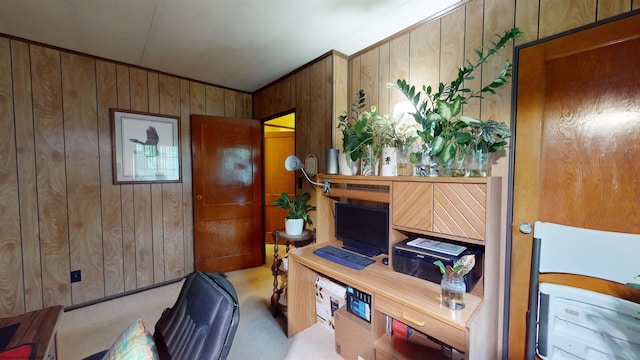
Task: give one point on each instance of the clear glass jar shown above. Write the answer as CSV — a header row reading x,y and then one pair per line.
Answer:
x,y
369,161
452,291
477,161
403,165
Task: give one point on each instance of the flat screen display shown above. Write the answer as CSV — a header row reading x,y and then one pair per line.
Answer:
x,y
362,229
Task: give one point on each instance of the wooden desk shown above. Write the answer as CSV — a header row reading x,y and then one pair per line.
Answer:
x,y
461,210
408,299
38,327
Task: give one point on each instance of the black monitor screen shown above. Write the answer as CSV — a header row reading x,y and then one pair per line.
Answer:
x,y
362,229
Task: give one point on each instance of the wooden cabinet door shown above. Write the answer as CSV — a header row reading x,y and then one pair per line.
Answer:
x,y
460,210
577,153
412,205
227,190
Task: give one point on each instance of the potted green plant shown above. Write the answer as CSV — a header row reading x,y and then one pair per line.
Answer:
x,y
364,133
381,132
452,286
354,134
445,133
298,210
398,143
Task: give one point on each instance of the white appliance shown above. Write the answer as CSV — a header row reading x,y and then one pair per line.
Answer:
x,y
580,324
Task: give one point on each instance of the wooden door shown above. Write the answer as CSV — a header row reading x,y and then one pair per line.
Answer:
x,y
227,190
577,146
277,146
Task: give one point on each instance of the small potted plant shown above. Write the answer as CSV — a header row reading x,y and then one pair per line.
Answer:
x,y
298,210
453,287
364,134
354,134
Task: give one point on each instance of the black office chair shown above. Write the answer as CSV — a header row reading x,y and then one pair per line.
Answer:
x,y
202,322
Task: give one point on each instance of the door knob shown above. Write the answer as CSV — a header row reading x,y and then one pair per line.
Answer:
x,y
198,197
525,228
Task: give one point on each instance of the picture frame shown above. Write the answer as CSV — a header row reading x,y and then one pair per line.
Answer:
x,y
146,147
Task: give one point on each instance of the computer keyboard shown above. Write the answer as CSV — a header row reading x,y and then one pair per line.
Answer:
x,y
343,257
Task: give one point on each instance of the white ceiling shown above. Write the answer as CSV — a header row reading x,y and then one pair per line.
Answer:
x,y
239,44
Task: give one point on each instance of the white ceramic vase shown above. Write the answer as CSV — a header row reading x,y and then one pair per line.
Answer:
x,y
293,227
346,165
389,161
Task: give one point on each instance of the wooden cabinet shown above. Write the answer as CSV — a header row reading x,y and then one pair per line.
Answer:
x,y
454,210
463,210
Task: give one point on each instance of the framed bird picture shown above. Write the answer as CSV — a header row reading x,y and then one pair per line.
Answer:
x,y
146,147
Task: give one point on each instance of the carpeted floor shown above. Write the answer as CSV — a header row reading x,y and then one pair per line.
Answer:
x,y
88,330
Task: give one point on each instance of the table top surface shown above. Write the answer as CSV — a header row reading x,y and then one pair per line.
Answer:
x,y
38,327
282,235
380,279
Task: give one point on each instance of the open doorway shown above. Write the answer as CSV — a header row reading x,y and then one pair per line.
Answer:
x,y
279,142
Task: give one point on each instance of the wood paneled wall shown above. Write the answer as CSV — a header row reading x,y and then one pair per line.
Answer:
x,y
430,52
316,92
59,210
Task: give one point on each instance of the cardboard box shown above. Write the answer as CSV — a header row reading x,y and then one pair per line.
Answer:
x,y
330,296
353,336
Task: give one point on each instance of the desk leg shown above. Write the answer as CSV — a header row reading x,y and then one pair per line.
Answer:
x,y
53,353
301,298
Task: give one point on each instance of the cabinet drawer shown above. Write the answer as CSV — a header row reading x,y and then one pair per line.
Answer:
x,y
422,322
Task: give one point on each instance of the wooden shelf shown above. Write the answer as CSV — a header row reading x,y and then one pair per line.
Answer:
x,y
387,180
390,347
360,194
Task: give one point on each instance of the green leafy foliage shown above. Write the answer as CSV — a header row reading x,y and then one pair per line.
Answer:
x,y
354,128
634,285
440,265
296,207
438,111
460,267
365,128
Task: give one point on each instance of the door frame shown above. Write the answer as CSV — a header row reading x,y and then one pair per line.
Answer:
x,y
511,172
264,173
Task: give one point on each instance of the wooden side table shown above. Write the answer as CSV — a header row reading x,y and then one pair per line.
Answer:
x,y
38,327
277,268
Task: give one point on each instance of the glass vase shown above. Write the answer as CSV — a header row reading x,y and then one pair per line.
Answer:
x,y
404,166
455,167
369,162
477,161
452,291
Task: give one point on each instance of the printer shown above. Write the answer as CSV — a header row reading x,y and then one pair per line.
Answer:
x,y
415,257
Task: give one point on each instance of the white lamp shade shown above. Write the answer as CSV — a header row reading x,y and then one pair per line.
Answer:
x,y
292,163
